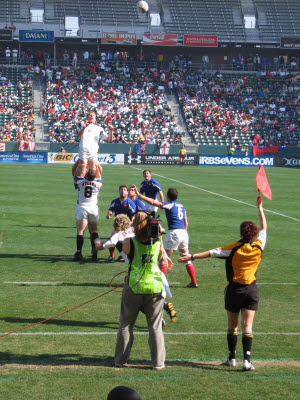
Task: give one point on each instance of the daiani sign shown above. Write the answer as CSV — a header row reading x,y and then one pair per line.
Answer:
x,y
36,36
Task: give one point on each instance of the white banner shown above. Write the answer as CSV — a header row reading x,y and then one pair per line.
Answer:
x,y
71,158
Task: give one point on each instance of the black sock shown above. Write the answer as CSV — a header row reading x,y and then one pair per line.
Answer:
x,y
93,237
231,341
79,242
247,344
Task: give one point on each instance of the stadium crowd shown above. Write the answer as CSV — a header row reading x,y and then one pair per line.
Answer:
x,y
133,103
262,109
16,107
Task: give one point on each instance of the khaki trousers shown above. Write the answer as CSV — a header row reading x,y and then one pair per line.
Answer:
x,y
130,307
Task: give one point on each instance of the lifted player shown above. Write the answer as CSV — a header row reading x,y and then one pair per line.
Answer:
x,y
89,137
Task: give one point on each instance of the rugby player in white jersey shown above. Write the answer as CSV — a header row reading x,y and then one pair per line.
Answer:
x,y
89,137
121,230
87,212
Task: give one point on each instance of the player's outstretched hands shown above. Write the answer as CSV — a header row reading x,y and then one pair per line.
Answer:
x,y
108,215
185,258
259,202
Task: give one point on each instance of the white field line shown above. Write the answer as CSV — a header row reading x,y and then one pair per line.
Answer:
x,y
276,283
144,333
221,195
33,283
170,283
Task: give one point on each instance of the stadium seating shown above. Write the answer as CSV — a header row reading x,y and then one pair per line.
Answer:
x,y
218,112
224,18
277,18
16,104
9,11
102,12
137,106
207,17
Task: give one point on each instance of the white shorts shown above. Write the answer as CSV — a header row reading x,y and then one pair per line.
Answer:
x,y
177,239
88,213
88,154
150,207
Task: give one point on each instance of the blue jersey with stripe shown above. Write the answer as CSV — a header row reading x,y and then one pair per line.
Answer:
x,y
123,207
175,214
140,206
150,188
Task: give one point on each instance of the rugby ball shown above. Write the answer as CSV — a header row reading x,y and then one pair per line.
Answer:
x,y
142,7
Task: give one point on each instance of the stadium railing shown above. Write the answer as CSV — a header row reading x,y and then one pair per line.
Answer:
x,y
211,67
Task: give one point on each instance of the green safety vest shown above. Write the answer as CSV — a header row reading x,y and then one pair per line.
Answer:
x,y
150,282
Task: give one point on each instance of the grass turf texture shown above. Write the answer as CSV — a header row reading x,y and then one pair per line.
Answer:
x,y
37,243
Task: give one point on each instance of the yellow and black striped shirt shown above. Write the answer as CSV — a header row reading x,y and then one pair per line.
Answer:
x,y
242,259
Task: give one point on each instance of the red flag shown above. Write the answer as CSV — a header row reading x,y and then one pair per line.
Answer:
x,y
263,184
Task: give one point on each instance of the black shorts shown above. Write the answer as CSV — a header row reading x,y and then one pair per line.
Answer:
x,y
239,296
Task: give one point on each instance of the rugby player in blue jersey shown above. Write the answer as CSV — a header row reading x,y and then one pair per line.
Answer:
x,y
140,206
121,205
151,188
177,237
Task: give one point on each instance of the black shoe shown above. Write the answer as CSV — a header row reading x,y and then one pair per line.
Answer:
x,y
94,256
171,311
110,259
192,285
120,259
77,256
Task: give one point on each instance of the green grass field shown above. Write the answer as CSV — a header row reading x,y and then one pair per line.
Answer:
x,y
71,357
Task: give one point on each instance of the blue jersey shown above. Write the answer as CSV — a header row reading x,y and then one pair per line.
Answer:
x,y
175,214
123,207
150,188
139,205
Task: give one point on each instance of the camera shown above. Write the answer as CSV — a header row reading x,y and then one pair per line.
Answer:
x,y
154,229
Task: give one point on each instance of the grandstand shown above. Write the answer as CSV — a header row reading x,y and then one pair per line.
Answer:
x,y
225,18
253,52
235,108
16,105
137,112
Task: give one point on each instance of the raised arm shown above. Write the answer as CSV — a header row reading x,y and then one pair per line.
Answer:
x,y
188,257
263,221
148,200
161,195
98,171
80,133
111,133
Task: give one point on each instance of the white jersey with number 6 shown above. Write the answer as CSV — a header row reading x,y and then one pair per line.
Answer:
x,y
88,191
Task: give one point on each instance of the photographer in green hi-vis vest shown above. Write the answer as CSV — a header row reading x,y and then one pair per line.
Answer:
x,y
143,287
